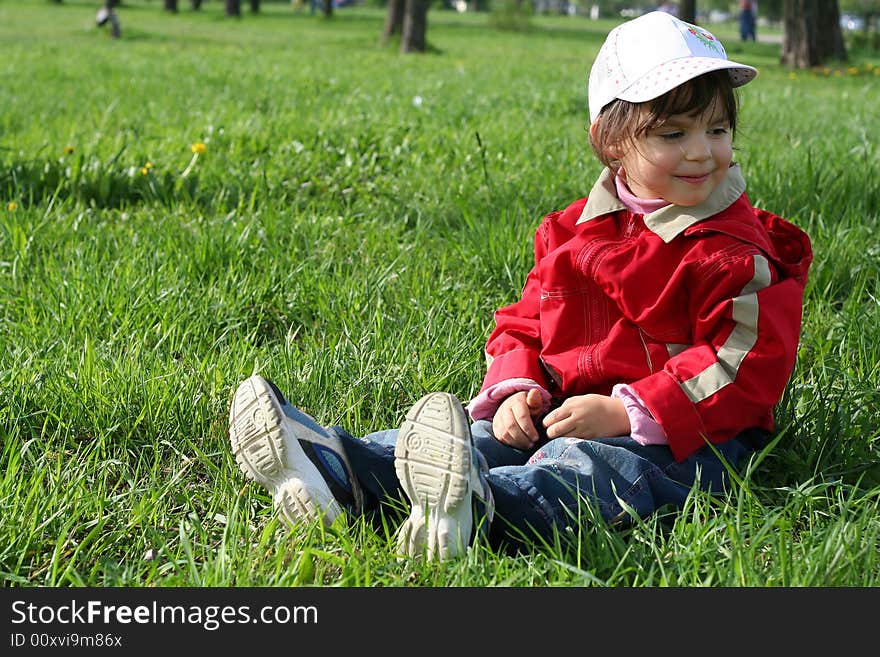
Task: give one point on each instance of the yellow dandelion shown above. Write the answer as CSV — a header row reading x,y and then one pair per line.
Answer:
x,y
148,166
852,70
144,171
12,206
68,149
792,76
198,148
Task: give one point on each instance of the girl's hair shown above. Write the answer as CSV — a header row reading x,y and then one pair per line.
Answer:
x,y
622,122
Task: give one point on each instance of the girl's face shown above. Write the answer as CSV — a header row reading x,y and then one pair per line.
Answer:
x,y
682,160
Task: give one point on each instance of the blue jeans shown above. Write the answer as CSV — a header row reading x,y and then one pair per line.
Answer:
x,y
543,491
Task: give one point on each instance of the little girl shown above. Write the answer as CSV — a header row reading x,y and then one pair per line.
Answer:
x,y
655,334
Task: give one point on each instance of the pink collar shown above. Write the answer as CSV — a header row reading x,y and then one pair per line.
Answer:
x,y
633,202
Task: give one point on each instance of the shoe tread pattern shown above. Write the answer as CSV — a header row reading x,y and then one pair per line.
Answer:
x,y
431,460
255,432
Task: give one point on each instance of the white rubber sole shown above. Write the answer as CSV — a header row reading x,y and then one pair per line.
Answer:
x,y
268,453
433,464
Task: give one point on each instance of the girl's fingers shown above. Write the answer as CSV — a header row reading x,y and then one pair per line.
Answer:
x,y
524,423
556,416
559,423
511,434
534,400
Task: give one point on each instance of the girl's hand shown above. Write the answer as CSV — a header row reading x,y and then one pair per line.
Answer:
x,y
513,423
588,416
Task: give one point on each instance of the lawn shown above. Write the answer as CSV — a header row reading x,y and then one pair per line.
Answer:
x,y
207,197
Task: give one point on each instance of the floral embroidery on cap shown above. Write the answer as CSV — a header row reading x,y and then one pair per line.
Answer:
x,y
705,38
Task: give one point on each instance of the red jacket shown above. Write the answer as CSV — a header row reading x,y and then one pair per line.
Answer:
x,y
698,309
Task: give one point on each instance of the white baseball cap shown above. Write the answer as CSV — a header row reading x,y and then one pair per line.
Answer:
x,y
644,58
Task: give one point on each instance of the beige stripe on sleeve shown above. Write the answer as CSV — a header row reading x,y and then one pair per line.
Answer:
x,y
738,344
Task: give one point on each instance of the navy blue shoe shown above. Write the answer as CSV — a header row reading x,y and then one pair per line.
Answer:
x,y
284,450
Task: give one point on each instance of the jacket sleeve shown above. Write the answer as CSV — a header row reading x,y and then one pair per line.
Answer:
x,y
746,323
513,348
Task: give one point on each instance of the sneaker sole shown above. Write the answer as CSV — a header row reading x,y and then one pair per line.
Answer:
x,y
256,431
433,464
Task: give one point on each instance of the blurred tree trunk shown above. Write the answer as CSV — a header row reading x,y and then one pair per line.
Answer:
x,y
415,25
328,8
196,4
812,33
233,8
687,11
255,6
393,19
830,40
171,5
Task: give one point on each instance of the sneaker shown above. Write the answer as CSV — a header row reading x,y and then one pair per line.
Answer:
x,y
290,454
443,476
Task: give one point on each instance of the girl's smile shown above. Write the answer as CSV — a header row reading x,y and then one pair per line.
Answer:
x,y
695,180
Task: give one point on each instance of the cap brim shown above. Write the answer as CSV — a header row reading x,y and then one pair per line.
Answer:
x,y
669,75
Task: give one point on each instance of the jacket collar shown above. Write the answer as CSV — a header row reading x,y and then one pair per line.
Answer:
x,y
670,221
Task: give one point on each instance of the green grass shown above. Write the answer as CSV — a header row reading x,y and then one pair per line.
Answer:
x,y
352,244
